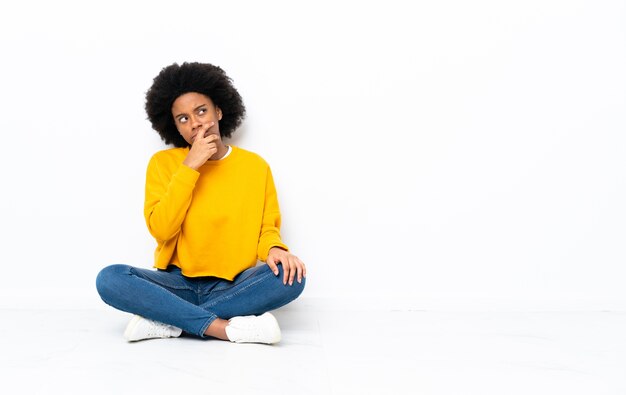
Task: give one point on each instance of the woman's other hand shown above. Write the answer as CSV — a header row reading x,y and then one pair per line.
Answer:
x,y
292,265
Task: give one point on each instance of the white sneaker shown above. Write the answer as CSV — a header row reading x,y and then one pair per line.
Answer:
x,y
253,329
140,328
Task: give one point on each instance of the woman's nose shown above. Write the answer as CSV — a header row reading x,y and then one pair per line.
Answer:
x,y
195,122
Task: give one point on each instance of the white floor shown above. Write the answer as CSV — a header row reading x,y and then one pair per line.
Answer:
x,y
322,352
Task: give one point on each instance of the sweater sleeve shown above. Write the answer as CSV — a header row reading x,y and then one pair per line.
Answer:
x,y
168,197
270,227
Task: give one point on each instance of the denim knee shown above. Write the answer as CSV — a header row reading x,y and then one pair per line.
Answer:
x,y
290,292
106,279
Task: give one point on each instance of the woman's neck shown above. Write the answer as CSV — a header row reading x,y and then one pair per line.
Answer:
x,y
222,149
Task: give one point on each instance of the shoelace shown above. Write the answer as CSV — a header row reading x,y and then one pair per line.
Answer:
x,y
158,329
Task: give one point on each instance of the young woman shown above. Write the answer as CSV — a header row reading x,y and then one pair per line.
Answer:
x,y
213,211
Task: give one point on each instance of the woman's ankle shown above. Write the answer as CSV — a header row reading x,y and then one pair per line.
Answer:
x,y
217,329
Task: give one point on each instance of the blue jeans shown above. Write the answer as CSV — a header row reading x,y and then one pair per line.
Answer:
x,y
193,303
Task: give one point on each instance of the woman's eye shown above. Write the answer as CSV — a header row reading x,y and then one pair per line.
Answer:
x,y
182,119
201,111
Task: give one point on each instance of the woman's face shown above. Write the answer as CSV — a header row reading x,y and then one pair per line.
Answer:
x,y
193,113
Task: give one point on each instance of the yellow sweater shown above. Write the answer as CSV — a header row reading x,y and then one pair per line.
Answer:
x,y
216,221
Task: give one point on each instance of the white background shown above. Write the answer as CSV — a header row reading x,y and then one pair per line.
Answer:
x,y
432,153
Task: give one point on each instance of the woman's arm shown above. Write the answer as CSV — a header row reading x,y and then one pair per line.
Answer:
x,y
270,225
271,248
168,197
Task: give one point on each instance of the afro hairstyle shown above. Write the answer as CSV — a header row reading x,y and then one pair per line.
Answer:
x,y
176,80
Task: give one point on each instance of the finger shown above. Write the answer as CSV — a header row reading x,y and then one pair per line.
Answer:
x,y
303,268
300,268
207,132
202,134
210,138
292,271
285,263
212,147
272,265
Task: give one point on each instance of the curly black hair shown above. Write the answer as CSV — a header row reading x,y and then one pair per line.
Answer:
x,y
176,80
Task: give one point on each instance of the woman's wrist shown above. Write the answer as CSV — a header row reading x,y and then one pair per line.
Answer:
x,y
190,164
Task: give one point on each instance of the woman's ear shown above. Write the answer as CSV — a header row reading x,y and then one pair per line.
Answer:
x,y
219,113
